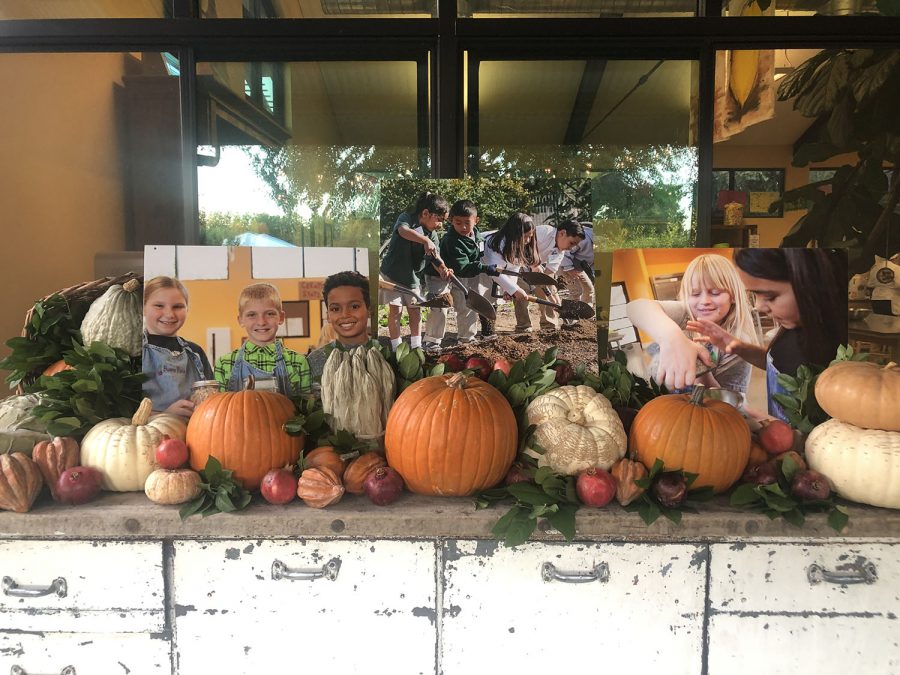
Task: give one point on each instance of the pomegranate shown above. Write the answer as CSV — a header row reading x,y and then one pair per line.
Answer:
x,y
564,372
383,486
452,363
78,485
761,474
776,437
502,364
670,489
516,474
595,487
171,453
279,486
810,484
481,366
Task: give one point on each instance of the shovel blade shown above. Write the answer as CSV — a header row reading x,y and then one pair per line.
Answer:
x,y
575,309
478,303
538,279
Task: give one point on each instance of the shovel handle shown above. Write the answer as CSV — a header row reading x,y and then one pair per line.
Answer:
x,y
540,301
436,264
391,286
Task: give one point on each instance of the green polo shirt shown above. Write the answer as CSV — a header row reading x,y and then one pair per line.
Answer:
x,y
461,254
404,260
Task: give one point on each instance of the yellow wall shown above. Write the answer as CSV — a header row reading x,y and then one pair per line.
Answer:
x,y
61,184
213,304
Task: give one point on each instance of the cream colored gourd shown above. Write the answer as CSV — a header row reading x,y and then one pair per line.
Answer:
x,y
578,428
862,464
862,393
172,487
115,318
123,449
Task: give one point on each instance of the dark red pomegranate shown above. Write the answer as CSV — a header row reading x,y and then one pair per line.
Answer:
x,y
383,486
78,485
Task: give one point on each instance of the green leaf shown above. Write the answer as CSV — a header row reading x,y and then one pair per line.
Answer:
x,y
838,518
102,350
438,369
517,372
794,517
224,503
533,363
516,394
744,495
564,520
542,474
649,512
409,366
789,467
672,514
497,379
550,356
402,351
529,494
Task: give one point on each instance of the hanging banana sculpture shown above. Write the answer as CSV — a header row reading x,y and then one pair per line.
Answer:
x,y
744,72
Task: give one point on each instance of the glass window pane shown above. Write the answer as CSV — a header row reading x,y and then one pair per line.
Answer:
x,y
801,7
318,9
92,168
300,156
84,9
625,126
572,9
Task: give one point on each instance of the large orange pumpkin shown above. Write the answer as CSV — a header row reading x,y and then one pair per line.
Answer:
x,y
243,430
706,437
450,435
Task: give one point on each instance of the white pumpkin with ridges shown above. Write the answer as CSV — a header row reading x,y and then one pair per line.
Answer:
x,y
123,449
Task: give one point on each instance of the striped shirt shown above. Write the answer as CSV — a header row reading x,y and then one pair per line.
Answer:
x,y
264,358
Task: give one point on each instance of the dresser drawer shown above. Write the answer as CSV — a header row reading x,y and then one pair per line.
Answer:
x,y
801,578
79,586
84,654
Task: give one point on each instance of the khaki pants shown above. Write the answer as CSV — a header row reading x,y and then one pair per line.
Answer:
x,y
580,286
549,316
466,319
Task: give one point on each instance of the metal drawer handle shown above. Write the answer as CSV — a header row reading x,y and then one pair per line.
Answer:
x,y
599,573
18,670
863,572
328,571
12,589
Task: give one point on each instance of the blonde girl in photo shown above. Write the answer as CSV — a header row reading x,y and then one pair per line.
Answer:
x,y
711,291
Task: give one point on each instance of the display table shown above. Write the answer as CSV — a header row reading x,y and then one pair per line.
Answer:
x,y
121,585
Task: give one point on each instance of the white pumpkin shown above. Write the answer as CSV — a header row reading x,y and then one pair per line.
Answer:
x,y
578,428
115,318
863,465
172,487
123,449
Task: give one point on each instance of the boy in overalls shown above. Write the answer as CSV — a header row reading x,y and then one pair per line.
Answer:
x,y
273,366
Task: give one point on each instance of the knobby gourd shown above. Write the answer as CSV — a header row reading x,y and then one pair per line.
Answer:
x,y
115,318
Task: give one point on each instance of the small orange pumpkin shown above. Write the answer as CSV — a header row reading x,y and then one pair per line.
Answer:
x,y
324,455
56,367
706,437
450,435
243,430
358,469
319,487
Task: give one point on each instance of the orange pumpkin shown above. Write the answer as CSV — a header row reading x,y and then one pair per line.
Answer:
x,y
450,435
243,430
706,437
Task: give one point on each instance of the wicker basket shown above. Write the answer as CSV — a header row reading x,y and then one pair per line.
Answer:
x,y
83,293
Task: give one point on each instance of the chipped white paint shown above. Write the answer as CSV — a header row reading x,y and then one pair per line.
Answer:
x,y
233,617
766,616
87,653
648,616
112,586
764,577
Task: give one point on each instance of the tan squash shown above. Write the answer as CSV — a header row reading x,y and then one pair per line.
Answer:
x,y
172,487
578,429
20,482
861,393
626,471
55,456
123,450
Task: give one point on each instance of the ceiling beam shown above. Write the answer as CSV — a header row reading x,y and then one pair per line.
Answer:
x,y
584,100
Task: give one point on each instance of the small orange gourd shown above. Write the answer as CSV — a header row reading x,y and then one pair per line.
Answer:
x,y
358,469
319,487
54,457
626,471
706,437
324,455
20,482
450,435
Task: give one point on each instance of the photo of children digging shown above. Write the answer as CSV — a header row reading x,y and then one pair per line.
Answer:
x,y
506,279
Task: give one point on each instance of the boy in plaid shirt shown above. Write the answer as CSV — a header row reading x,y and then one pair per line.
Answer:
x,y
272,365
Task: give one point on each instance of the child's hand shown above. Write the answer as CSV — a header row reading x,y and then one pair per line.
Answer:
x,y
714,334
678,362
430,248
182,407
444,271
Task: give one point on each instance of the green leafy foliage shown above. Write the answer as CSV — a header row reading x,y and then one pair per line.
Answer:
x,y
104,382
649,508
799,403
620,386
51,333
528,378
219,492
776,500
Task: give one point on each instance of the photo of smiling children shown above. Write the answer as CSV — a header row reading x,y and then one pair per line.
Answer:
x,y
171,364
262,356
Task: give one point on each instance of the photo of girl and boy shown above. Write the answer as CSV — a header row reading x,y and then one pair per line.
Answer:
x,y
730,319
503,284
248,327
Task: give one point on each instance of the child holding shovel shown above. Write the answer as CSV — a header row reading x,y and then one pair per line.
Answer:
x,y
413,238
461,253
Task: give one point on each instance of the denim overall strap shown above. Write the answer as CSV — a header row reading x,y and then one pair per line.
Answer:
x,y
169,374
242,370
